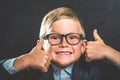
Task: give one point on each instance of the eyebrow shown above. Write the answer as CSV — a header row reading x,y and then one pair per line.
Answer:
x,y
54,32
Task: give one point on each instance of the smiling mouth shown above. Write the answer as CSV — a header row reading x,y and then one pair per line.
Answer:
x,y
63,52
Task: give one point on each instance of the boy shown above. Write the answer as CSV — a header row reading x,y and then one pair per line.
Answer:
x,y
60,53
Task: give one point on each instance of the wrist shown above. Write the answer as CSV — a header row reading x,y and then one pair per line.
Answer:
x,y
21,62
113,55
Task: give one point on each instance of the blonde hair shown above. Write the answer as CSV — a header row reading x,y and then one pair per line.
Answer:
x,y
57,14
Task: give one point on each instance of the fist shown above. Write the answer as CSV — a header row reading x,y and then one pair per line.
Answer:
x,y
39,58
95,50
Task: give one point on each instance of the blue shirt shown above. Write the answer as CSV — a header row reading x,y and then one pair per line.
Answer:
x,y
8,65
63,74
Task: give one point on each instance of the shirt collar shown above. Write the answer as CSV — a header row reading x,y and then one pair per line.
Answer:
x,y
57,68
69,68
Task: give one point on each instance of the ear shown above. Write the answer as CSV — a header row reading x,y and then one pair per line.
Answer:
x,y
83,46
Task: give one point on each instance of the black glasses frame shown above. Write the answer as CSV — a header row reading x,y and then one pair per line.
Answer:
x,y
63,35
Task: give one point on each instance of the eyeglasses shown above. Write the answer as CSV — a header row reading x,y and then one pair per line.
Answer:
x,y
56,38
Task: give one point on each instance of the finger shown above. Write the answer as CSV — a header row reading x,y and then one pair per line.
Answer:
x,y
50,58
88,59
47,64
45,69
40,44
96,36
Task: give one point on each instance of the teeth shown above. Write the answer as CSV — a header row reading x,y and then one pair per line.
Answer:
x,y
64,53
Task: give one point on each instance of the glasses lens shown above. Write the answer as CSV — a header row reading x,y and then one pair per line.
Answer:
x,y
73,38
54,38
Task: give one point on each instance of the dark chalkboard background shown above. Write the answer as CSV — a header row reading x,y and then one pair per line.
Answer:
x,y
20,22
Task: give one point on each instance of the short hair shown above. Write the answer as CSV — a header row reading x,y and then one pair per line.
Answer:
x,y
57,14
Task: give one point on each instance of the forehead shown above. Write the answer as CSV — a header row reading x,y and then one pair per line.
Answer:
x,y
66,26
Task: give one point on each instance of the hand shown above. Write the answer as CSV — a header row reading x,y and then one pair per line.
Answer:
x,y
96,50
38,58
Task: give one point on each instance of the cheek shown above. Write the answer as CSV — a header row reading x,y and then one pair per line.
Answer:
x,y
52,52
51,49
80,48
77,51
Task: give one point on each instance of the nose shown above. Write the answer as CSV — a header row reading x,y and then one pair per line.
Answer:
x,y
63,43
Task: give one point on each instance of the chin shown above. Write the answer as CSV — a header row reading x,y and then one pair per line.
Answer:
x,y
65,64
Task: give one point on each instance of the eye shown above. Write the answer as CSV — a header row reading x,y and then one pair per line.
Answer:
x,y
54,37
71,37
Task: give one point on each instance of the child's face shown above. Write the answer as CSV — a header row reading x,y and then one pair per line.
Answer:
x,y
64,54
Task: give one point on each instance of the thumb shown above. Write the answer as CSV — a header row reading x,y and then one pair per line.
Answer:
x,y
40,43
96,35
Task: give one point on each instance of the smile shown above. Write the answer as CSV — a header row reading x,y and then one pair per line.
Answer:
x,y
63,52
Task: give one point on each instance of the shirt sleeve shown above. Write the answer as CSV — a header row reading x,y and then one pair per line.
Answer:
x,y
8,65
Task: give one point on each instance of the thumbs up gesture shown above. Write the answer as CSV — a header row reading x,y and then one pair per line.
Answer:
x,y
97,49
38,58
